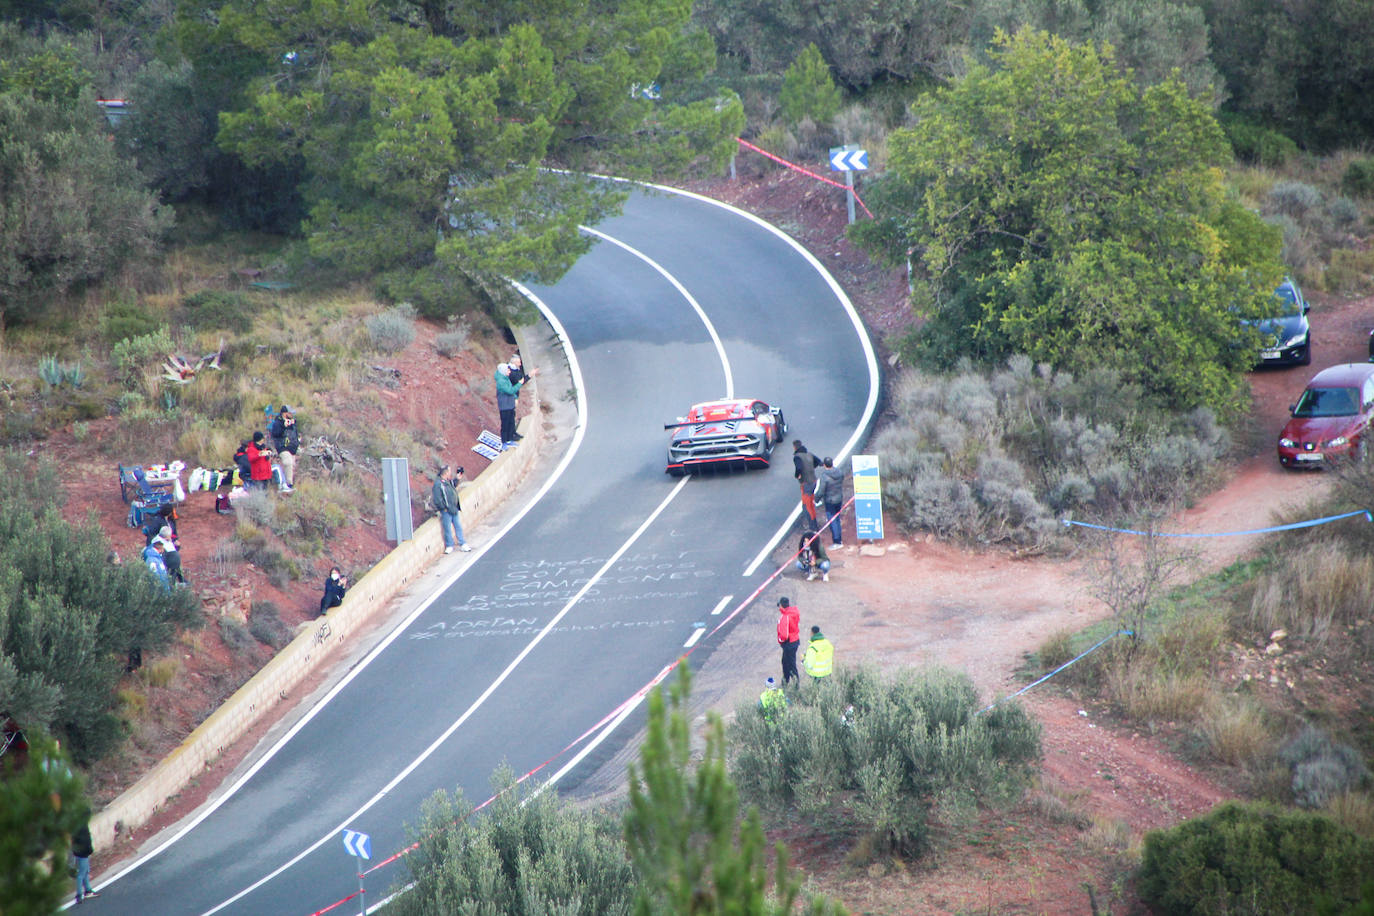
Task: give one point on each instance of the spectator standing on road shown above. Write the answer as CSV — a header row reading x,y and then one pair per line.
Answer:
x,y
831,489
804,466
820,655
517,377
171,557
772,702
789,638
812,558
286,439
506,393
445,496
334,589
82,849
259,462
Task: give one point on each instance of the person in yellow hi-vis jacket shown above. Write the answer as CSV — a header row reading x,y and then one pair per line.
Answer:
x,y
820,655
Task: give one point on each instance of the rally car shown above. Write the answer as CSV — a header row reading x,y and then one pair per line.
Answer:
x,y
723,434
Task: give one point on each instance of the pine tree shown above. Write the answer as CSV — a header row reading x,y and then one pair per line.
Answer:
x,y
683,831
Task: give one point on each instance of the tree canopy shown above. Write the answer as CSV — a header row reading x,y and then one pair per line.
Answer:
x,y
422,132
72,209
1054,208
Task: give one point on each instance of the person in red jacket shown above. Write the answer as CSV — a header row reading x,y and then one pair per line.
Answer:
x,y
259,461
789,637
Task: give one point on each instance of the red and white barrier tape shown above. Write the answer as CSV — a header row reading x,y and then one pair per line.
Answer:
x,y
634,698
807,172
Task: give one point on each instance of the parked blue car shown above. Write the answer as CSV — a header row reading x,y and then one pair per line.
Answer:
x,y
1286,338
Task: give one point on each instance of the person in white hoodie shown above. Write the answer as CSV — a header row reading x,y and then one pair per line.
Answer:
x,y
171,557
830,488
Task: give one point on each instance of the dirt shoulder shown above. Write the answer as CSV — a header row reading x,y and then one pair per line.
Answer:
x,y
922,601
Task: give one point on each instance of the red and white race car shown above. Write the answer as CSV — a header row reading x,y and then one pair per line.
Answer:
x,y
714,434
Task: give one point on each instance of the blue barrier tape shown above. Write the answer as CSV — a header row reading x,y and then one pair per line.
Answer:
x,y
1042,680
1222,534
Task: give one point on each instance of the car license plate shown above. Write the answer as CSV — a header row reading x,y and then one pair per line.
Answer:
x,y
1269,354
1310,456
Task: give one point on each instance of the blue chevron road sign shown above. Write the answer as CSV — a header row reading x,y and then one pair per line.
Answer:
x,y
848,159
357,844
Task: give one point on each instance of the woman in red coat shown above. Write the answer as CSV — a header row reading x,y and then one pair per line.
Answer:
x,y
259,461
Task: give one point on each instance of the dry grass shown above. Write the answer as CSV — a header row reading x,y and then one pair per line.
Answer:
x,y
1355,811
1108,835
1310,590
1146,693
161,672
1235,730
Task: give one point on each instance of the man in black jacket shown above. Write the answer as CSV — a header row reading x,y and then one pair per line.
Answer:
x,y
286,437
804,466
82,848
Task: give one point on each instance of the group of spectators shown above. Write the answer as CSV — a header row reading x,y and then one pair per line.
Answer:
x,y
818,662
510,378
254,455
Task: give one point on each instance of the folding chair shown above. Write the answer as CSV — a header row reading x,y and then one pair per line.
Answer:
x,y
160,495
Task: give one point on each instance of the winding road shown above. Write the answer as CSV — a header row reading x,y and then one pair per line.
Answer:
x,y
585,596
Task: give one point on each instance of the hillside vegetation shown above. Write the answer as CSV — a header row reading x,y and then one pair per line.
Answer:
x,y
1091,199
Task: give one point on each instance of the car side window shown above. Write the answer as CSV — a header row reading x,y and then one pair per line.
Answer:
x,y
1368,393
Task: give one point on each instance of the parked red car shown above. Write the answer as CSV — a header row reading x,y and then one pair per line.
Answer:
x,y
1331,420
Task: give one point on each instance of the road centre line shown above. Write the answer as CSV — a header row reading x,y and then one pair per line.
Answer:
x,y
696,634
438,742
720,606
682,290
578,435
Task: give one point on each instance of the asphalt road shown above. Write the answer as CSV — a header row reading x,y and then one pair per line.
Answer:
x,y
591,591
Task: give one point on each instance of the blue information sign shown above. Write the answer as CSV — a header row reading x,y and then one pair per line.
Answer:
x,y
868,498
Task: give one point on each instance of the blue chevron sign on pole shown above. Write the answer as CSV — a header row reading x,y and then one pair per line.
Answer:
x,y
357,844
848,159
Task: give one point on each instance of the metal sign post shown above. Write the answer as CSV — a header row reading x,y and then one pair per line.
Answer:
x,y
848,159
396,499
359,846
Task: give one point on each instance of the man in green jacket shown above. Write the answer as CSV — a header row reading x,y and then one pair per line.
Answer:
x,y
820,655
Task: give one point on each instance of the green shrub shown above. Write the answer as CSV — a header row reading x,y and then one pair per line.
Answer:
x,y
235,635
453,341
50,371
1252,858
433,292
527,855
1293,198
221,310
71,617
1322,769
266,625
867,757
392,330
1358,180
125,320
142,352
1257,144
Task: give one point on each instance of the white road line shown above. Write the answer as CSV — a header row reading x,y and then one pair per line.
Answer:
x,y
692,640
720,606
691,300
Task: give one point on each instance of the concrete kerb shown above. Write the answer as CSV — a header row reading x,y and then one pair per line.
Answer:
x,y
366,599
